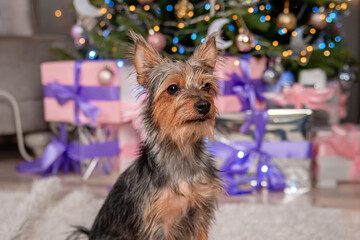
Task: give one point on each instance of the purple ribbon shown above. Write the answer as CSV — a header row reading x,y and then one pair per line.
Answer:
x,y
259,118
246,89
81,95
240,156
60,156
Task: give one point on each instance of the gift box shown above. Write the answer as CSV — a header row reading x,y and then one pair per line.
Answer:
x,y
74,148
240,83
81,92
328,103
337,155
275,153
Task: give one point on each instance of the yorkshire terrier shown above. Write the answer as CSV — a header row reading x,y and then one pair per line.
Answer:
x,y
170,192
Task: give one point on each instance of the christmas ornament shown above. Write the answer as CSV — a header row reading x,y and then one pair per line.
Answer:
x,y
157,40
85,8
347,77
183,8
244,40
318,20
286,19
270,75
144,2
105,76
77,31
216,26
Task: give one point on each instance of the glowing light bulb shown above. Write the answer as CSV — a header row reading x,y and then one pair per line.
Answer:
x,y
132,8
58,13
275,43
181,25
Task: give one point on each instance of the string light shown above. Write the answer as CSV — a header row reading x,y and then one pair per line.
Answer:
x,y
156,28
285,53
275,43
111,4
181,50
309,48
322,45
327,53
92,54
256,10
217,7
82,40
190,14
344,6
207,6
109,16
234,17
331,5
231,27
337,38
181,25
207,18
303,60
257,47
169,8
58,13
290,52
193,36
315,9
132,8
240,154
262,8
262,19
175,40
174,49
322,16
251,10
294,33
147,7
338,7
268,18
102,24
120,63
331,45
264,168
312,30
236,62
106,33
203,40
103,10
268,6
303,53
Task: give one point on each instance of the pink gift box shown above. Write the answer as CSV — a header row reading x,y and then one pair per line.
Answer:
x,y
227,103
63,73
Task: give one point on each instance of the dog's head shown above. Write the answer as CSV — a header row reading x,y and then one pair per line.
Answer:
x,y
180,101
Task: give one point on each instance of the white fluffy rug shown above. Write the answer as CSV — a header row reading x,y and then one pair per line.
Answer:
x,y
47,213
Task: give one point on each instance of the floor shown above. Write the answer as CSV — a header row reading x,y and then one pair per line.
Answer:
x,y
345,196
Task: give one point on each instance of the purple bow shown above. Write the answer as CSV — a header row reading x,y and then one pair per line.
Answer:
x,y
64,94
60,156
246,89
259,119
238,162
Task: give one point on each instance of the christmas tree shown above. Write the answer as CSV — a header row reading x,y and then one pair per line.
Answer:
x,y
295,34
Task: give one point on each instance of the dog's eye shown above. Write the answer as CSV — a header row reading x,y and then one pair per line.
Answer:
x,y
172,89
206,87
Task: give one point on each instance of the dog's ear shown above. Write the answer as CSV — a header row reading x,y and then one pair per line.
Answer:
x,y
145,57
207,51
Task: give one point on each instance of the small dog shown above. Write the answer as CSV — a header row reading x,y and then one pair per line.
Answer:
x,y
170,192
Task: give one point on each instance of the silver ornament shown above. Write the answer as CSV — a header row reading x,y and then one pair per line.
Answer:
x,y
347,77
270,75
105,76
216,26
244,40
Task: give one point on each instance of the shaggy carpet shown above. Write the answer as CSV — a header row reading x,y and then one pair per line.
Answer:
x,y
47,213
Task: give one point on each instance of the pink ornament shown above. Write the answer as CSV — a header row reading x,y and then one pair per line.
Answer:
x,y
143,2
77,31
157,40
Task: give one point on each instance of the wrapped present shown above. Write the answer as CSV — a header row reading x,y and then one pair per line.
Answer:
x,y
270,156
64,154
81,92
240,83
330,100
337,155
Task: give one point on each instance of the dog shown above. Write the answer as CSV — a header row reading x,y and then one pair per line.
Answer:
x,y
170,192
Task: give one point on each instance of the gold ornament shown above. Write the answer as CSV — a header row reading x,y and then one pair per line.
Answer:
x,y
286,19
183,9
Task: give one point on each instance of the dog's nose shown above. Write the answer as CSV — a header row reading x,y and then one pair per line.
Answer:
x,y
202,106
